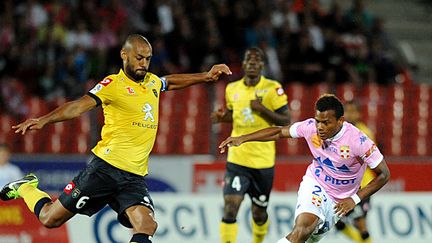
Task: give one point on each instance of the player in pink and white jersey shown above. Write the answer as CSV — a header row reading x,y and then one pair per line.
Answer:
x,y
330,187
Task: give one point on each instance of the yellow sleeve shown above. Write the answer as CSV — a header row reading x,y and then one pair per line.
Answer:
x,y
278,97
104,91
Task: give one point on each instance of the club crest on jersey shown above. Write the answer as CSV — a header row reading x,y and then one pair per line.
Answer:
x,y
106,81
130,90
151,83
316,200
344,151
75,193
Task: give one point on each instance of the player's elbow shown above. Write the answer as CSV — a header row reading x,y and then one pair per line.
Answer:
x,y
387,176
384,177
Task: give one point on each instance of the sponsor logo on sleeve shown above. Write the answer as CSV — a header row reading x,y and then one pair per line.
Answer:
x,y
279,91
369,152
106,81
96,89
69,187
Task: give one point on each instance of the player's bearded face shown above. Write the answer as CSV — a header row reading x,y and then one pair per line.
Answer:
x,y
137,73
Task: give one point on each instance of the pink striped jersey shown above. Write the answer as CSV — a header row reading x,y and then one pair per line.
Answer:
x,y
339,162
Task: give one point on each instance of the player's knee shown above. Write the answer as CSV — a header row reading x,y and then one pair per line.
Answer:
x,y
301,233
259,215
231,209
148,227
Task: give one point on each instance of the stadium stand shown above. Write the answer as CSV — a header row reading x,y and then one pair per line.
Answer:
x,y
61,57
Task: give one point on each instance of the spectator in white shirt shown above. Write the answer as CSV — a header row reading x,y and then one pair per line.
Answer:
x,y
8,171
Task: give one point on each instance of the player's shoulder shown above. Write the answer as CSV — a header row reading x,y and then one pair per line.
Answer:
x,y
274,86
153,76
272,82
309,121
111,78
353,131
357,137
234,85
308,124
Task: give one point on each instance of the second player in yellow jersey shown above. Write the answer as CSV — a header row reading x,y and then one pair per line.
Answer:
x,y
252,103
238,97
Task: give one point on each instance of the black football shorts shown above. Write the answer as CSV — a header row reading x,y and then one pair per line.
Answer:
x,y
257,183
100,184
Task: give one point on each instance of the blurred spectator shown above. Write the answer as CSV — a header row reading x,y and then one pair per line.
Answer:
x,y
8,171
334,59
13,97
304,62
56,46
359,16
79,36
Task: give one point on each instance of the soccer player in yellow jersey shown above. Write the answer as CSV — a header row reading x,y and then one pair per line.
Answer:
x,y
360,233
115,176
253,102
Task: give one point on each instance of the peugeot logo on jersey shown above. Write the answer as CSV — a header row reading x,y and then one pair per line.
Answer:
x,y
247,113
147,108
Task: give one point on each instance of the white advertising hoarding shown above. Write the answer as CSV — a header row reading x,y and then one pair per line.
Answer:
x,y
194,218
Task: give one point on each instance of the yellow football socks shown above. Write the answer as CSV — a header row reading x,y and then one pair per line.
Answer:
x,y
31,195
259,231
352,233
228,232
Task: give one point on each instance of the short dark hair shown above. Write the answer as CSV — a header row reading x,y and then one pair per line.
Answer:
x,y
257,50
330,102
134,38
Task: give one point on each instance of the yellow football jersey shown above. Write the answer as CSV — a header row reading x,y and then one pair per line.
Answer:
x,y
368,175
238,96
131,120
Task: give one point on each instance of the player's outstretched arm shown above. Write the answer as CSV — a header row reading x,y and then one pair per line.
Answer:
x,y
180,81
266,134
64,112
383,176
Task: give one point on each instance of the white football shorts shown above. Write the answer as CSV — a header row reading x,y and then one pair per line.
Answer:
x,y
312,198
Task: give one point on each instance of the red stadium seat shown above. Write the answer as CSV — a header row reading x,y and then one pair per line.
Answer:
x,y
37,107
79,144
